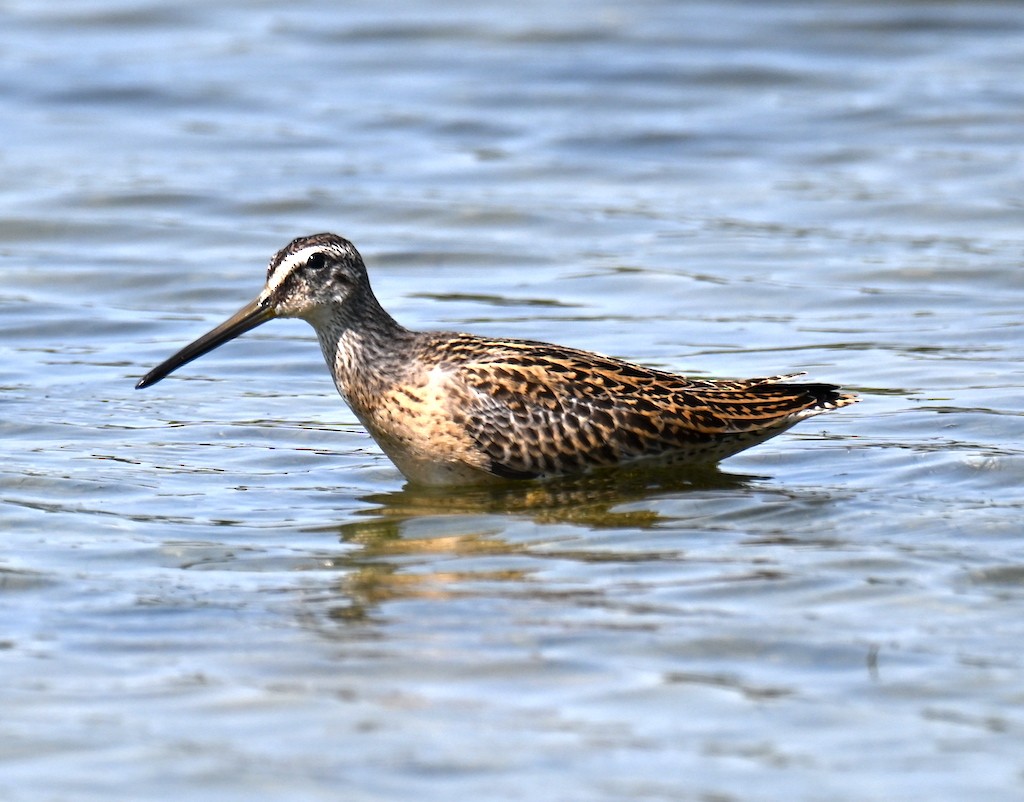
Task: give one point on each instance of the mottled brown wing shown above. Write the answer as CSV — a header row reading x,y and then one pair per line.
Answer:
x,y
540,409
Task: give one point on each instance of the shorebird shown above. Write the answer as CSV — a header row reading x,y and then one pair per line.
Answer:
x,y
450,408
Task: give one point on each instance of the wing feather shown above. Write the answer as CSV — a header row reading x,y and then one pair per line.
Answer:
x,y
538,409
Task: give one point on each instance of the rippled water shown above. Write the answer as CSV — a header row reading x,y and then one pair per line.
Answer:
x,y
220,588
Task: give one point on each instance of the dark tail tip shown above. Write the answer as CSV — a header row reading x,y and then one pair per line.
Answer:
x,y
829,396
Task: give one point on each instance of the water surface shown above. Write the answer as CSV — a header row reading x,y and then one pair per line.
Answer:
x,y
220,588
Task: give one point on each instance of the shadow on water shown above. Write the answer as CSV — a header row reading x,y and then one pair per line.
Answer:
x,y
443,543
591,500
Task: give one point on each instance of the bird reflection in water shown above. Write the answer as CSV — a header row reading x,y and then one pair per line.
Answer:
x,y
412,541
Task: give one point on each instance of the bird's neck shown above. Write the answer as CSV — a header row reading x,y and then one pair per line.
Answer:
x,y
365,348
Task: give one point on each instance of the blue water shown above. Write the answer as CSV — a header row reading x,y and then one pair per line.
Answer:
x,y
219,588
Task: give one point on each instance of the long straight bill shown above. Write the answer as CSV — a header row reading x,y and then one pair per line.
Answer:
x,y
245,319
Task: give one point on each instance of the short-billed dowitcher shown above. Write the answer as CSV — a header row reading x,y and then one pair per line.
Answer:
x,y
451,408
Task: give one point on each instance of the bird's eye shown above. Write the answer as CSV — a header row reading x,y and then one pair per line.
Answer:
x,y
316,261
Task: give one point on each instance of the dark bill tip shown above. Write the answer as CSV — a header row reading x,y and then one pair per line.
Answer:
x,y
245,319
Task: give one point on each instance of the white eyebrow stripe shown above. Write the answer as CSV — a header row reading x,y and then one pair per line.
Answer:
x,y
275,279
